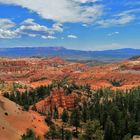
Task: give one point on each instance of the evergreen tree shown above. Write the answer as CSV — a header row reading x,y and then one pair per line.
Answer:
x,y
48,119
30,135
85,114
92,131
109,130
75,119
68,135
34,107
55,113
65,116
53,133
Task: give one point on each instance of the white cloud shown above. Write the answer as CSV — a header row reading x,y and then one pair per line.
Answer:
x,y
32,35
72,36
7,34
74,11
85,1
57,27
28,27
48,37
114,33
62,10
6,31
51,37
116,21
6,23
84,25
122,18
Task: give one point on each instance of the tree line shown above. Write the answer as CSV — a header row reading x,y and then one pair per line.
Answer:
x,y
104,115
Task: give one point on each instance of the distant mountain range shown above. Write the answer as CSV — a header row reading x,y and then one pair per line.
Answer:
x,y
107,55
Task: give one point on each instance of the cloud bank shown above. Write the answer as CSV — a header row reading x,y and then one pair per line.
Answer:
x,y
62,10
9,29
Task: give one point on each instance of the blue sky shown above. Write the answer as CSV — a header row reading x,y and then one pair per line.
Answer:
x,y
74,24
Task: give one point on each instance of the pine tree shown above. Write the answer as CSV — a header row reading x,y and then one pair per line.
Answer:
x,y
65,116
75,119
55,113
109,130
68,135
30,135
48,119
53,133
34,107
85,112
92,131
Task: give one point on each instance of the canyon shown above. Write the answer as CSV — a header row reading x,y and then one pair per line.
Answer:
x,y
35,72
31,73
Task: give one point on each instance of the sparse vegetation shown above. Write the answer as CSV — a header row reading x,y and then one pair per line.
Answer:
x,y
30,135
29,97
116,83
104,115
92,130
135,57
53,133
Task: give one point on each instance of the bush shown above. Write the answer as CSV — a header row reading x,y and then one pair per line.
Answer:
x,y
116,83
29,135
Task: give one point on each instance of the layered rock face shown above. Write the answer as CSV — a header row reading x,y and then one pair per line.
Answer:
x,y
42,71
22,69
33,70
57,99
25,65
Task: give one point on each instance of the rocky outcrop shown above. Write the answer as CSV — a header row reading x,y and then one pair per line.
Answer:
x,y
58,99
31,70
